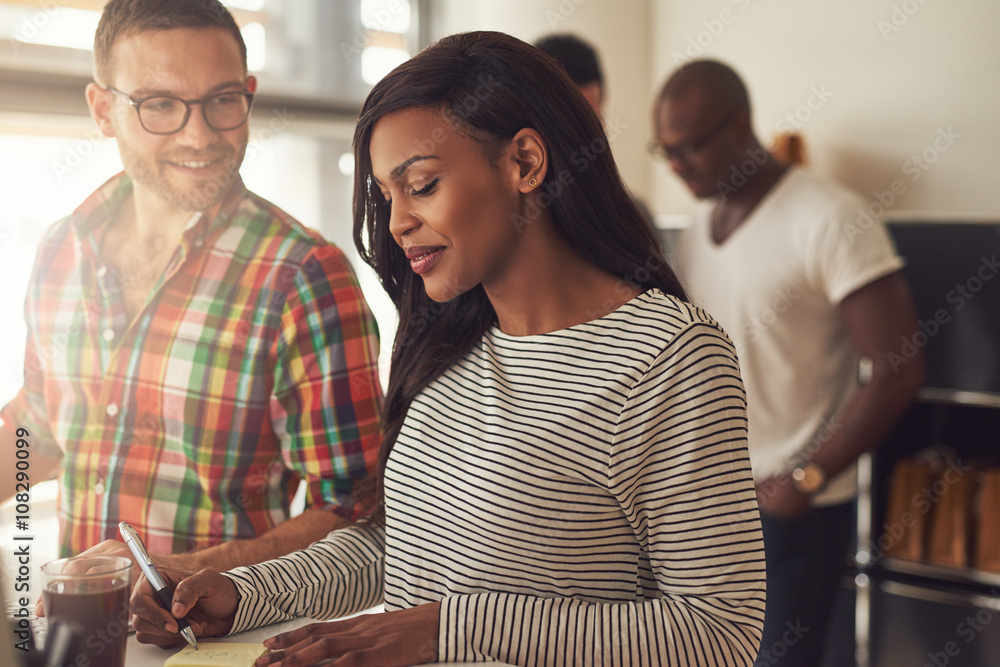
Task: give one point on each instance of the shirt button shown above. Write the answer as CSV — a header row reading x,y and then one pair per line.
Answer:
x,y
102,271
108,335
199,243
99,488
112,410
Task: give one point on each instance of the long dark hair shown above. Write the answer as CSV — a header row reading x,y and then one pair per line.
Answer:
x,y
491,85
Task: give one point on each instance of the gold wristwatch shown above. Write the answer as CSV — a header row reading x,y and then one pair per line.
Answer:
x,y
809,478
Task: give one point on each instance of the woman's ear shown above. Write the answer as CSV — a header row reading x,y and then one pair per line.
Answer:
x,y
531,157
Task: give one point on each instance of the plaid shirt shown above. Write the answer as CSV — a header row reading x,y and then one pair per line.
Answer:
x,y
251,366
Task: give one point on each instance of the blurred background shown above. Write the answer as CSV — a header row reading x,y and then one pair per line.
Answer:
x,y
896,99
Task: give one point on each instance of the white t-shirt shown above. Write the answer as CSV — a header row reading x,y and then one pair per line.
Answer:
x,y
774,286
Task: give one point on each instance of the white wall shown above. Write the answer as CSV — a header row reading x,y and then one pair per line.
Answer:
x,y
618,29
897,75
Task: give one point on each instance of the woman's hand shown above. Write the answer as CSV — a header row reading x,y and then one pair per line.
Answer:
x,y
207,598
390,639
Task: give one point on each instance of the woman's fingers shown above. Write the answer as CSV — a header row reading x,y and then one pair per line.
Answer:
x,y
208,600
391,639
292,637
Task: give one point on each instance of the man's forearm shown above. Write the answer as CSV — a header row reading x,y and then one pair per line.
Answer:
x,y
295,533
866,419
876,317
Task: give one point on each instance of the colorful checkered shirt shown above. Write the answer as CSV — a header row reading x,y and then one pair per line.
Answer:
x,y
252,366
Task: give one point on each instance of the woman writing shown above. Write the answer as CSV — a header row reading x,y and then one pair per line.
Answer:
x,y
564,473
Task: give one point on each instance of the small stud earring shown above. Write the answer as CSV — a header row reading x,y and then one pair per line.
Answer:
x,y
532,182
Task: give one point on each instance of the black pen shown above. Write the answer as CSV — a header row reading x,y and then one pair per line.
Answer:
x,y
163,594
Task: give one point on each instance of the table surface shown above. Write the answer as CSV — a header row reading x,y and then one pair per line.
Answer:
x,y
146,655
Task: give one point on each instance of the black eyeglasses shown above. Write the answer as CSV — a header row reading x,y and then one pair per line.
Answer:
x,y
163,114
686,149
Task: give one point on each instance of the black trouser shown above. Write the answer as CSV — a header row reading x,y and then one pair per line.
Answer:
x,y
805,562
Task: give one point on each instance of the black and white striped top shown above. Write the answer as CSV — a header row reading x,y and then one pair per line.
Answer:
x,y
581,497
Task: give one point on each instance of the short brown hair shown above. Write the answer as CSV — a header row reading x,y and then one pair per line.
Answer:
x,y
127,17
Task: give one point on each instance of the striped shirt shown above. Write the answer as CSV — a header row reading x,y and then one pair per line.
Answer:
x,y
582,497
251,366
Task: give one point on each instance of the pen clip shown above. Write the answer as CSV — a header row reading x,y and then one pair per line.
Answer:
x,y
129,534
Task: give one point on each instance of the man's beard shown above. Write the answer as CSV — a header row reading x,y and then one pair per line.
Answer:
x,y
151,172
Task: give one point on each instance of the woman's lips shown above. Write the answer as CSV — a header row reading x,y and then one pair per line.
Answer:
x,y
423,259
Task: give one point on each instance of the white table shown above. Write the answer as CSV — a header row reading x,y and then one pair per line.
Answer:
x,y
146,655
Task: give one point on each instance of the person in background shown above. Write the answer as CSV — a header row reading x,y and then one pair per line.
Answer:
x,y
581,63
772,255
565,476
193,352
583,66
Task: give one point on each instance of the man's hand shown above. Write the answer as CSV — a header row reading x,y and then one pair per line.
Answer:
x,y
392,639
207,598
779,498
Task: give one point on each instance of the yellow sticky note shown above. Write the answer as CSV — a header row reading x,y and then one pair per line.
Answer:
x,y
217,654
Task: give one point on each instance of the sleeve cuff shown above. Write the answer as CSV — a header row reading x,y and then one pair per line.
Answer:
x,y
875,272
252,611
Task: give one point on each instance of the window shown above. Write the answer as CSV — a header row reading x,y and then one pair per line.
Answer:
x,y
315,61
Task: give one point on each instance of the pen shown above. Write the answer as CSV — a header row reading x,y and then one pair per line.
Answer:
x,y
163,594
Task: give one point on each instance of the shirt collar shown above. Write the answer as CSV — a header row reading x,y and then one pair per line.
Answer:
x,y
91,218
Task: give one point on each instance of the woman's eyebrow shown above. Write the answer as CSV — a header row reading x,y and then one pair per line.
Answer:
x,y
407,163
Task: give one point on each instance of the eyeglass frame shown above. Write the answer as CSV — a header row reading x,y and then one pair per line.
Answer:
x,y
686,148
135,103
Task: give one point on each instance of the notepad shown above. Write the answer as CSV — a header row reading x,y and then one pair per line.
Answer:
x,y
217,654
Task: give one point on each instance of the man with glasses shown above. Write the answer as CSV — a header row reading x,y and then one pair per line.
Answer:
x,y
772,256
193,352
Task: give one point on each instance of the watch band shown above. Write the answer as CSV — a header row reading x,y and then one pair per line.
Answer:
x,y
809,478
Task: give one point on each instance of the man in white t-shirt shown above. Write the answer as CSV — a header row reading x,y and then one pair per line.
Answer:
x,y
806,285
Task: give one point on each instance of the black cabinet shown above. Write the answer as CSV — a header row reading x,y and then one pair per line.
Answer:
x,y
920,613
914,613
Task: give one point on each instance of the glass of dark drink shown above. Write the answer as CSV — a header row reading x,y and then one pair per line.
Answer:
x,y
88,597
